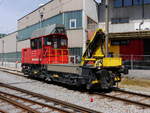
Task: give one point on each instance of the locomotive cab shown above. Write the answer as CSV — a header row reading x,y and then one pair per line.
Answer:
x,y
55,41
48,46
55,49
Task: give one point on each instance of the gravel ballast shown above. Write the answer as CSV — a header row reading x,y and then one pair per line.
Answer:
x,y
76,97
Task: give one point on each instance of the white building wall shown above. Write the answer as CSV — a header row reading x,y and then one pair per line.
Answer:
x,y
50,9
23,44
91,10
9,43
75,38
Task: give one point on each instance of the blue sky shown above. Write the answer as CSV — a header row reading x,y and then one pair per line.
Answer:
x,y
12,10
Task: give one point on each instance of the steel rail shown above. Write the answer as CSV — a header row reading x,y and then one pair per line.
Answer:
x,y
35,102
63,103
30,110
134,93
17,73
9,69
2,111
124,100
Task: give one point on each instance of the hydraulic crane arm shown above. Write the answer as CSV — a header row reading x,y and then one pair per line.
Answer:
x,y
95,48
94,53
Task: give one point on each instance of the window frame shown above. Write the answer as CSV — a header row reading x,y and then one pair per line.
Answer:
x,y
37,43
135,2
124,3
120,20
75,23
118,5
127,3
146,2
119,42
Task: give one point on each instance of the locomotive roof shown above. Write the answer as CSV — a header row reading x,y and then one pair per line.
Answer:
x,y
60,34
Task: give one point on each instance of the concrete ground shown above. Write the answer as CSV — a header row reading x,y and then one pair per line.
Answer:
x,y
144,74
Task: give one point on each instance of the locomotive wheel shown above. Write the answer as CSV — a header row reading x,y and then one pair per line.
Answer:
x,y
91,77
106,79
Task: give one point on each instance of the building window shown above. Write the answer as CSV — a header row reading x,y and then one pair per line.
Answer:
x,y
119,20
120,42
146,1
124,20
121,3
124,3
114,21
73,23
118,3
137,2
127,2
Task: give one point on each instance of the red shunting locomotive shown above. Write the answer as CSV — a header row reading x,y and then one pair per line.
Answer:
x,y
47,49
49,45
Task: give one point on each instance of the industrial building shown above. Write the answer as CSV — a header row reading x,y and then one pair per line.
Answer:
x,y
76,15
129,27
126,15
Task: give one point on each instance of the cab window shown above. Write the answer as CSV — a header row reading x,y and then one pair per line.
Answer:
x,y
51,42
60,30
48,41
36,43
55,42
63,42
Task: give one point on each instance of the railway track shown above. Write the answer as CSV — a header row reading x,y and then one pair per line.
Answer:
x,y
12,71
122,95
27,101
139,99
9,105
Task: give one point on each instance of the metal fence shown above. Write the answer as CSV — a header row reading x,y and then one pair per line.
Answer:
x,y
136,61
10,59
129,61
10,62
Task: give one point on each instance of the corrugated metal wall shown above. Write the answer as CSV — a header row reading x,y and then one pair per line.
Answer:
x,y
135,47
10,57
27,32
58,19
73,15
75,51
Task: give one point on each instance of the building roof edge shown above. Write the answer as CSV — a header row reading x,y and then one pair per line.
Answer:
x,y
36,9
